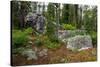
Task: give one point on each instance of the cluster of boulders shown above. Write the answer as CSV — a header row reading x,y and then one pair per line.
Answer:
x,y
73,39
34,54
73,42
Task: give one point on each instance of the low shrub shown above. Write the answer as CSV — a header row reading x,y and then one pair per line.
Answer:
x,y
54,38
68,27
77,32
51,29
51,45
38,42
94,37
19,38
28,31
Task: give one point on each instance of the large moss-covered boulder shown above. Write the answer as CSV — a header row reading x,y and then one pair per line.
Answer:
x,y
79,42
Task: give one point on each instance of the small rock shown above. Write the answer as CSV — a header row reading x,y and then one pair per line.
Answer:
x,y
62,60
84,48
30,42
30,54
43,52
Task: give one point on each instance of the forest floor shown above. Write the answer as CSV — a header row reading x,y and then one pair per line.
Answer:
x,y
58,55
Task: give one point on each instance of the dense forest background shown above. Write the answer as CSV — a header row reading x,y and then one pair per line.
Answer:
x,y
77,15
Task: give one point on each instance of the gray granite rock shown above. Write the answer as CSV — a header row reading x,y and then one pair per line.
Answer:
x,y
43,52
63,35
69,33
36,21
30,54
79,42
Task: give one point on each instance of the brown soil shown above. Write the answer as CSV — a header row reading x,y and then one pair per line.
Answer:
x,y
56,56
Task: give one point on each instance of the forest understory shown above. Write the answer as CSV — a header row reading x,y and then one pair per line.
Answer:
x,y
57,55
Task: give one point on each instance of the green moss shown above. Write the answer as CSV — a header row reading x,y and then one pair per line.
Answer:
x,y
51,45
68,27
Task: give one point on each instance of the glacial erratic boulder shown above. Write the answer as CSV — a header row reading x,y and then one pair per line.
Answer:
x,y
36,21
79,42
